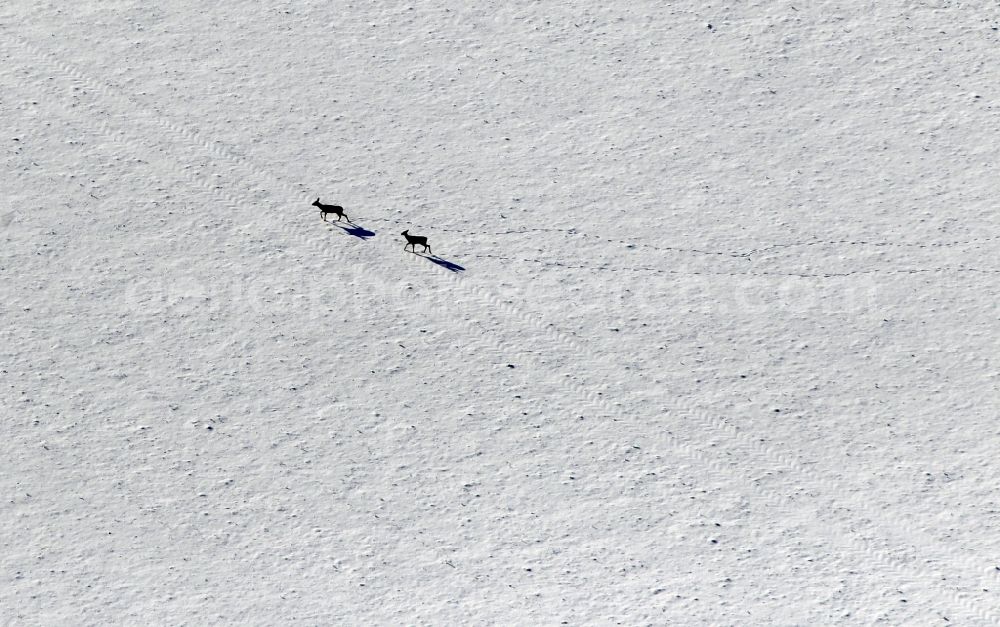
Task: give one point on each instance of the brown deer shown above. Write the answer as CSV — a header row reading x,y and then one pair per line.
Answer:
x,y
325,209
413,240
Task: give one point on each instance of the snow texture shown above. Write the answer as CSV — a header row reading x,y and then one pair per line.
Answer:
x,y
712,339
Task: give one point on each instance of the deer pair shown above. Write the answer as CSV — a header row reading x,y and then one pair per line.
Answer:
x,y
411,240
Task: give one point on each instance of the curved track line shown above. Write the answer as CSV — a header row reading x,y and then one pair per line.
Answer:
x,y
701,251
607,268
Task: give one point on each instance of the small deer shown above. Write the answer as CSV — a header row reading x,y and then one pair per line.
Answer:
x,y
413,240
325,209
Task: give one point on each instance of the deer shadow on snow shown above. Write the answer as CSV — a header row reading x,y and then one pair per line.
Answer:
x,y
444,263
357,231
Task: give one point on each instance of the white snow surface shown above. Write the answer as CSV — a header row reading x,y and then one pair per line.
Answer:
x,y
713,337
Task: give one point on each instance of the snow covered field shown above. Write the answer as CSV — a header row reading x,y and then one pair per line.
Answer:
x,y
713,337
